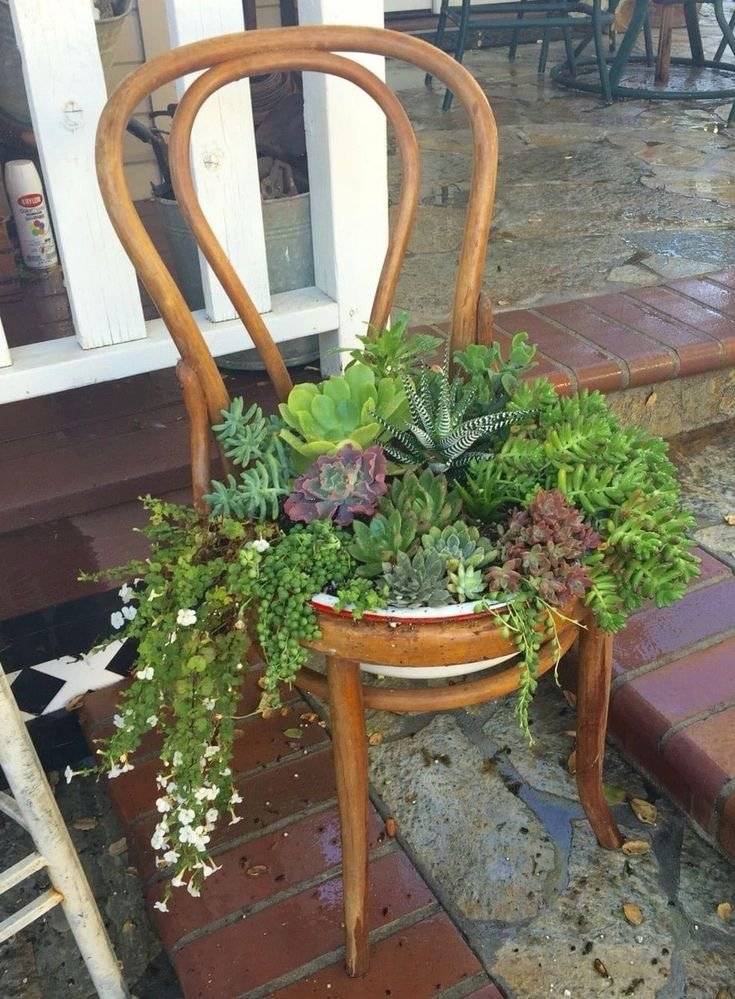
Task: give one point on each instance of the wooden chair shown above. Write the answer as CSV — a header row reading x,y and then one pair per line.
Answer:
x,y
345,642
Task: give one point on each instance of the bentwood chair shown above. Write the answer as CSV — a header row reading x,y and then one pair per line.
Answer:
x,y
347,643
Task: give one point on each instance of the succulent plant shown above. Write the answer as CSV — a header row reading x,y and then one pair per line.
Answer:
x,y
395,351
494,379
425,498
437,432
339,486
344,409
380,541
466,583
420,581
464,552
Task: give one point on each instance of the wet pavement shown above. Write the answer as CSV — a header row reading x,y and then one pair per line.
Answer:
x,y
590,198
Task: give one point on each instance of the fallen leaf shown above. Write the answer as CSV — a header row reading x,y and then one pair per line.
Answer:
x,y
375,738
729,519
724,911
651,400
632,913
614,795
391,827
85,823
636,847
256,870
572,762
293,733
118,847
600,968
644,811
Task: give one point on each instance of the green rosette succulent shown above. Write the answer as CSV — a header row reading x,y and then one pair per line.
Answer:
x,y
420,581
464,552
343,410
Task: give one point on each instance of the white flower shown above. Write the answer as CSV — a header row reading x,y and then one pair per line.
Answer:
x,y
69,773
186,617
235,819
162,779
209,703
193,891
235,798
199,839
212,815
171,856
152,720
206,871
178,758
161,906
126,593
129,612
115,771
146,673
260,545
178,881
118,721
117,620
186,816
158,839
211,751
225,771
163,804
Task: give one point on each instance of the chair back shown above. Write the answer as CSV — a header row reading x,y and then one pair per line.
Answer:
x,y
309,48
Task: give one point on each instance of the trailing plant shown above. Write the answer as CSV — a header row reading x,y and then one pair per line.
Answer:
x,y
338,487
344,409
394,351
420,581
540,563
438,433
492,378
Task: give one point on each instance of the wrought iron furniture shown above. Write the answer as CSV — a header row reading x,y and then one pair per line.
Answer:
x,y
518,15
33,806
346,642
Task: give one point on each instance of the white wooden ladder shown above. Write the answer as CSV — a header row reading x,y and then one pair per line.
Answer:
x,y
32,805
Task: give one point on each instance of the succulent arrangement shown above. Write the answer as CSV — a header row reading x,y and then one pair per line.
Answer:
x,y
399,483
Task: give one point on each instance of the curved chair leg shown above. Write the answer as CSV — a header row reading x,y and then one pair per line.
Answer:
x,y
723,44
593,695
350,765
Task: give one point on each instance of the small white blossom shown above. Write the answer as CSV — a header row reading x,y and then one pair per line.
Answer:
x,y
235,818
178,759
163,804
206,871
126,593
211,751
158,839
161,906
192,889
129,612
115,771
69,773
185,617
186,816
152,720
235,798
209,703
171,856
118,721
226,772
260,545
177,881
117,620
212,815
146,673
162,779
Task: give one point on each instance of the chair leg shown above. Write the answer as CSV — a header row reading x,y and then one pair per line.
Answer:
x,y
648,40
600,55
459,49
350,764
439,36
513,48
593,695
663,56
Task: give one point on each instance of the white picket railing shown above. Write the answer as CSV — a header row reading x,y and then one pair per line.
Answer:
x,y
347,156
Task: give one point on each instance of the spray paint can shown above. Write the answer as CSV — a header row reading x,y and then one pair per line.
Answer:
x,y
28,204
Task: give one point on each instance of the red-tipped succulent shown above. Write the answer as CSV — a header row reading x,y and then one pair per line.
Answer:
x,y
339,486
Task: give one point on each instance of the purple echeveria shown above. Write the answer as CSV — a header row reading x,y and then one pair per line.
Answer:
x,y
339,486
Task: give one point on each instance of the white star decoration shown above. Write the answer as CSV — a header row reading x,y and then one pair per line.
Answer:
x,y
80,674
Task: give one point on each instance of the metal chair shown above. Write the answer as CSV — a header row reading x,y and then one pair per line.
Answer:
x,y
517,15
345,642
33,806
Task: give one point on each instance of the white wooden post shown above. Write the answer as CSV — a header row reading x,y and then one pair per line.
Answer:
x,y
348,180
4,352
66,93
224,161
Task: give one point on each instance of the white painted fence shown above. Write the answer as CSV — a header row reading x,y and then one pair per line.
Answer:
x,y
346,145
